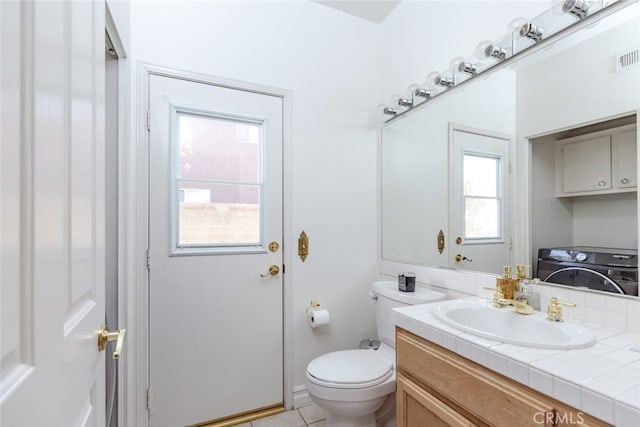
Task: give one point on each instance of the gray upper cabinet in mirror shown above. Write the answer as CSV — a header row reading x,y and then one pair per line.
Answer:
x,y
568,89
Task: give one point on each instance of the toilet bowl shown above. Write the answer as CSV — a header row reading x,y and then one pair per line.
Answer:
x,y
357,387
351,385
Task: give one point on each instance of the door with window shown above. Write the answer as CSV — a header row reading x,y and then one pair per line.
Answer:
x,y
480,230
215,253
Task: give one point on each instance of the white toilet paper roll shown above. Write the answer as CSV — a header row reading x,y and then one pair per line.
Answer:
x,y
318,317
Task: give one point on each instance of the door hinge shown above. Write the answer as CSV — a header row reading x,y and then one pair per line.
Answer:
x,y
510,244
148,120
149,400
148,260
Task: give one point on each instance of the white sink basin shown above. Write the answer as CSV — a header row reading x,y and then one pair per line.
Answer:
x,y
505,325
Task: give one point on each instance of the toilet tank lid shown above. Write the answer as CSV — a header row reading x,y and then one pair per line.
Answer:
x,y
422,295
350,368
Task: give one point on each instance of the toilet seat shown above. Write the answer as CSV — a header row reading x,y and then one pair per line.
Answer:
x,y
350,369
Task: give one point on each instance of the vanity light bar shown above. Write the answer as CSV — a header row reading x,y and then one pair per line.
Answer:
x,y
577,8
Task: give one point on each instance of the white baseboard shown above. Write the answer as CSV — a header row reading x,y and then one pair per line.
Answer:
x,y
301,397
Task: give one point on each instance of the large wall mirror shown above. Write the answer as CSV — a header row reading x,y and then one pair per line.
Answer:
x,y
536,160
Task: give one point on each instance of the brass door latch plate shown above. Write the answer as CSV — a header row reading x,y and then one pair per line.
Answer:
x,y
303,246
440,241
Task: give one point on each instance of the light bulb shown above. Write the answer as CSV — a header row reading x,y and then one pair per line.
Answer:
x,y
385,112
417,91
531,31
436,79
401,101
455,62
516,24
459,65
487,49
556,7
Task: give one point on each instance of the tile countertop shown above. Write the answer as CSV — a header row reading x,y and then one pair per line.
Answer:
x,y
602,380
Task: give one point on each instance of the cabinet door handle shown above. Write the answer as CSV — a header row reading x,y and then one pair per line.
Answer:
x,y
624,181
602,183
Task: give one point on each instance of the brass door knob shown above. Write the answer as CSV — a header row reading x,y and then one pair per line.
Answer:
x,y
105,336
273,271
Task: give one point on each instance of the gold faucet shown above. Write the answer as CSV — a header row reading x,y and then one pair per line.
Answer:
x,y
499,301
554,311
498,297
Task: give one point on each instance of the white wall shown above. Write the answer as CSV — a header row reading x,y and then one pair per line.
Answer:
x,y
329,61
583,78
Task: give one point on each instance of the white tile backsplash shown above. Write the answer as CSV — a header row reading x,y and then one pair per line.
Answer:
x,y
633,323
596,315
619,305
616,320
595,300
633,307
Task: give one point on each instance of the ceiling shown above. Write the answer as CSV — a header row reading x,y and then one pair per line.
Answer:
x,y
371,10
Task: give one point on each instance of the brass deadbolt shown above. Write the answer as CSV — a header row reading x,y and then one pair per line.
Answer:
x,y
274,246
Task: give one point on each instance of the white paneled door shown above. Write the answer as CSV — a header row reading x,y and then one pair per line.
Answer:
x,y
479,202
52,183
215,251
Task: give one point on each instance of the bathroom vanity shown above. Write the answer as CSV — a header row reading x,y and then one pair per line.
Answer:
x,y
446,376
436,387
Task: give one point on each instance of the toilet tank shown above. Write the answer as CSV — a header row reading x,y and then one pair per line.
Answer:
x,y
389,297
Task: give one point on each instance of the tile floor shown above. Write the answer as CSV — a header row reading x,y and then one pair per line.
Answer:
x,y
310,416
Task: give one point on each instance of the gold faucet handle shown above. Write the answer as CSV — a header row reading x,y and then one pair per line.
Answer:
x,y
498,296
566,304
554,311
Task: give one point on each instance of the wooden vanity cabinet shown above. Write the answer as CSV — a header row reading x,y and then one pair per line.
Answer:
x,y
436,387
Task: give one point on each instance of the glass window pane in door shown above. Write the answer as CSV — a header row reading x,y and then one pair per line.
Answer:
x,y
480,175
218,214
481,218
218,149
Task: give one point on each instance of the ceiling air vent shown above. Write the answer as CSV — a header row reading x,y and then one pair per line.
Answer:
x,y
627,59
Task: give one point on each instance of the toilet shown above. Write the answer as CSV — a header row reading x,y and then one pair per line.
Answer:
x,y
357,387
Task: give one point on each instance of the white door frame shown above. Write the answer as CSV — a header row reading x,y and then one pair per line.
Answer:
x,y
138,223
123,208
